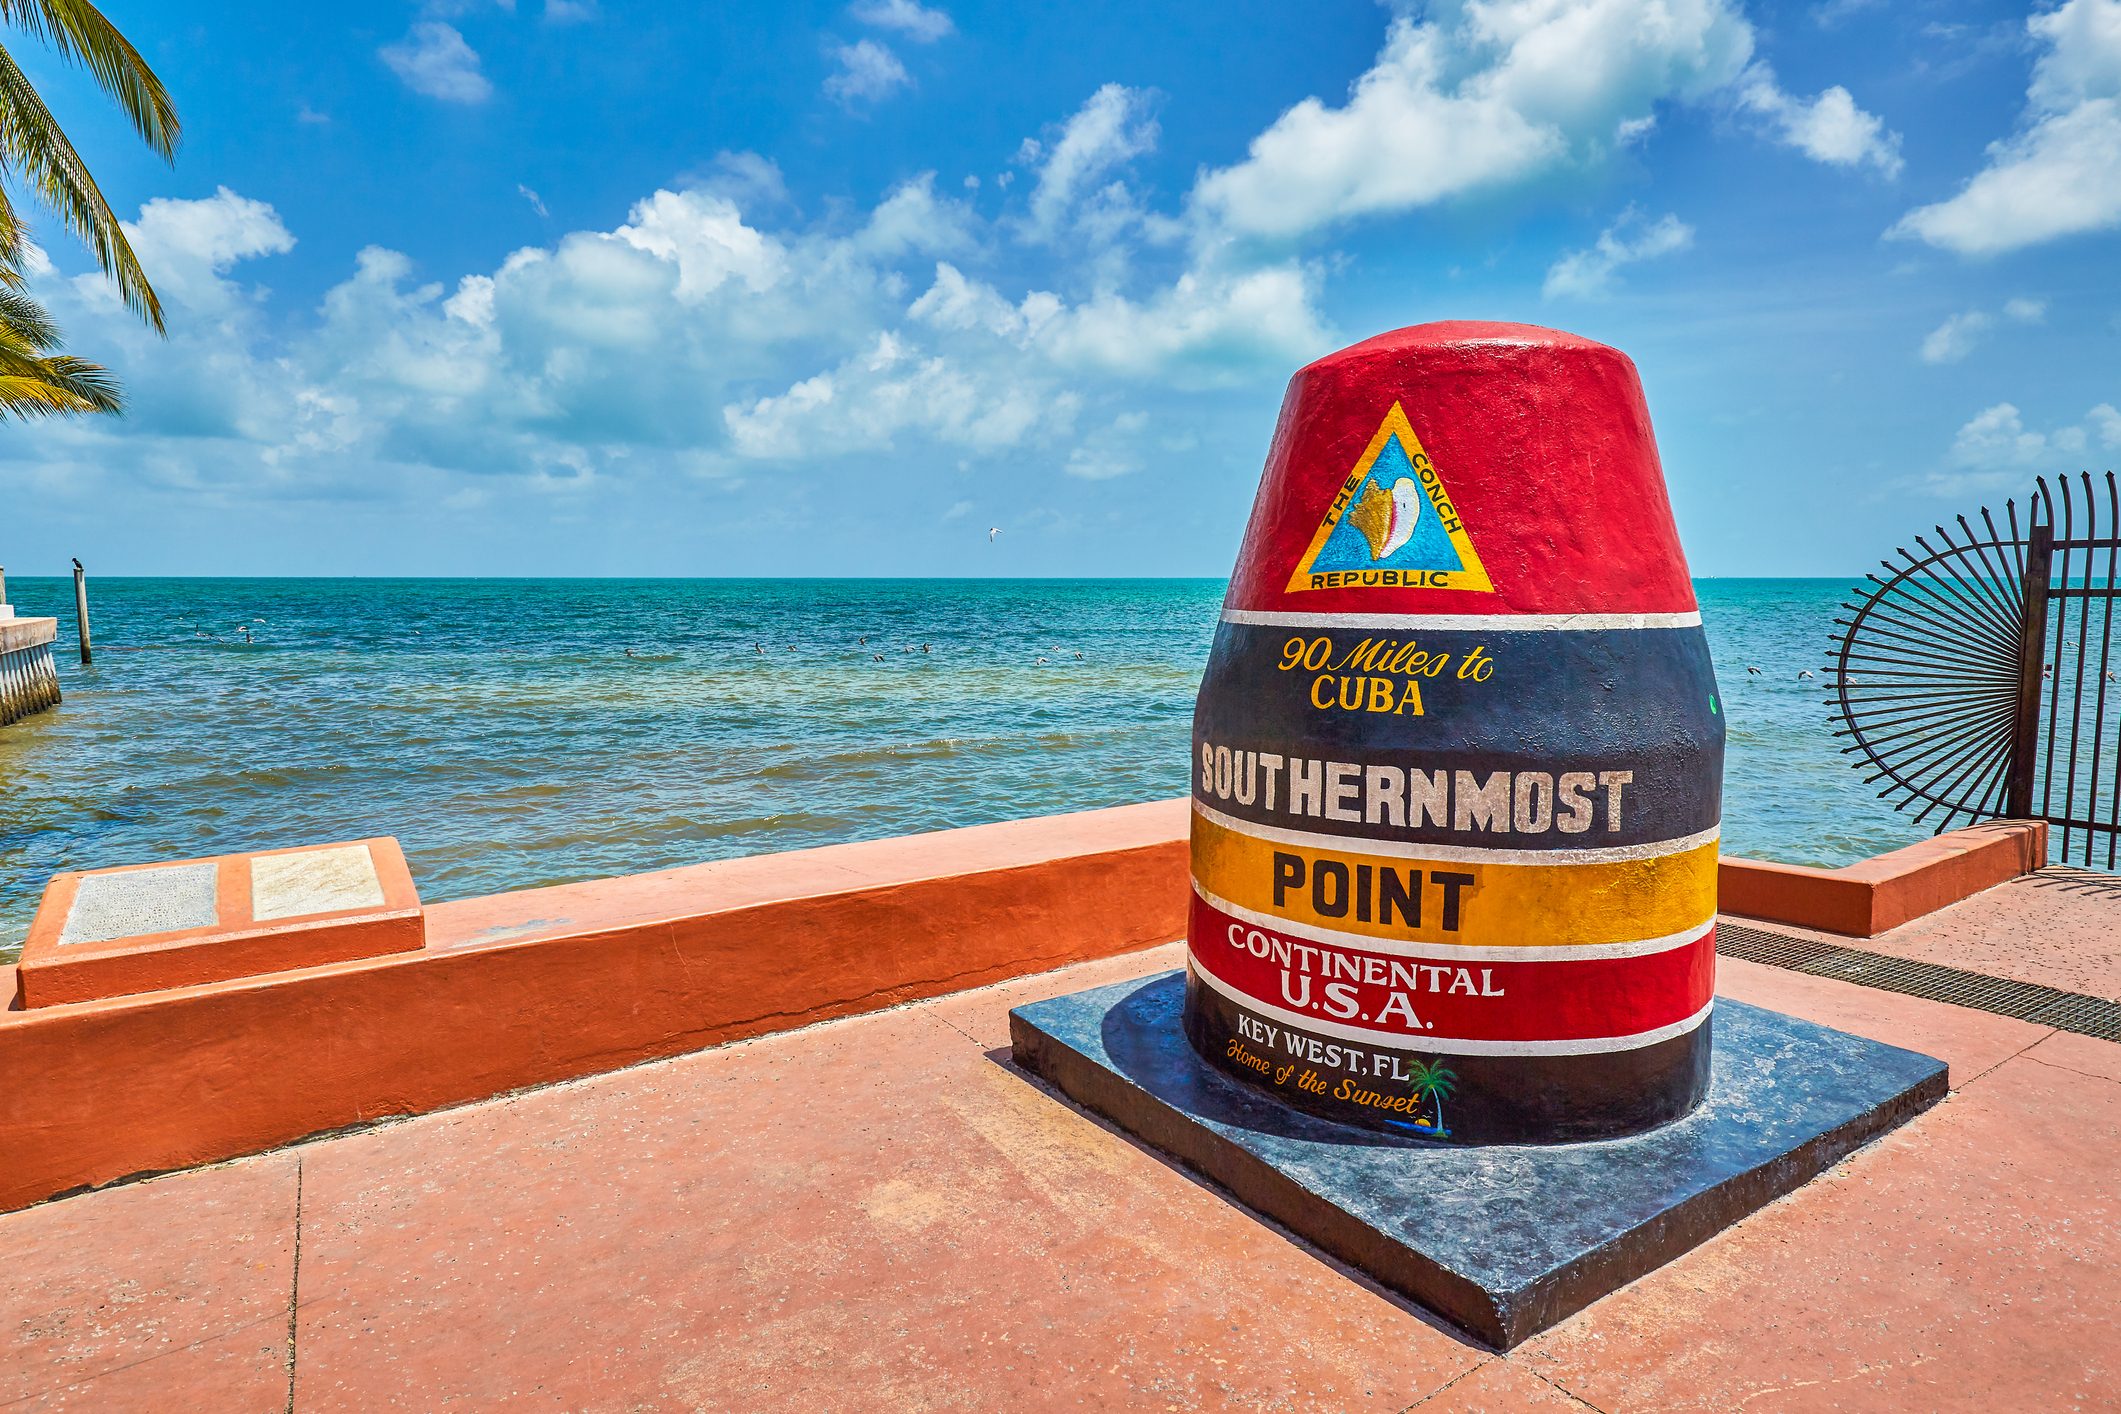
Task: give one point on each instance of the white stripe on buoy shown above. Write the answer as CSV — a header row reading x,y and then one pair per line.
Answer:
x,y
1494,623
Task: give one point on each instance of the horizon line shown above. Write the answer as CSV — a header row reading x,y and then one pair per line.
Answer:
x,y
771,578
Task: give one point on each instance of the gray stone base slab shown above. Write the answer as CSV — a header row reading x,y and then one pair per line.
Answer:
x,y
1501,1241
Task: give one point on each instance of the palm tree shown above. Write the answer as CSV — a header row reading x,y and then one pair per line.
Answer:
x,y
34,379
1433,1080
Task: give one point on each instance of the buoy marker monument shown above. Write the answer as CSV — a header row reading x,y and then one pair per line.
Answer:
x,y
1454,835
1448,1007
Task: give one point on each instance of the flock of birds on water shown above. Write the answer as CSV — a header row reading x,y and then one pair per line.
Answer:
x,y
761,650
245,633
864,643
2047,671
1752,670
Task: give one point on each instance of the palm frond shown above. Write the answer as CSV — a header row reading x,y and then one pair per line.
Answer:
x,y
35,382
13,236
32,143
26,320
93,387
81,35
24,396
85,388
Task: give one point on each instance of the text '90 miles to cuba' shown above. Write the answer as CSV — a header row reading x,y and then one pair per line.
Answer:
x,y
1381,675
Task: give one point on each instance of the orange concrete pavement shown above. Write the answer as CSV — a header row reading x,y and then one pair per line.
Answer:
x,y
879,1213
2058,927
2055,927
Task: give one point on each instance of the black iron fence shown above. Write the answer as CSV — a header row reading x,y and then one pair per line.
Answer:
x,y
1973,678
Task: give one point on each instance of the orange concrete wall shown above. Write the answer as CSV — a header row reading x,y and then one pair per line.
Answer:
x,y
1793,894
1879,894
548,984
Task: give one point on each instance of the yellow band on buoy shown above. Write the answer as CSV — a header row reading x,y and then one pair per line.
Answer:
x,y
1456,900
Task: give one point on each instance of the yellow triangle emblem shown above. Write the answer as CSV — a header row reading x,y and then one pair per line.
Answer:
x,y
1392,524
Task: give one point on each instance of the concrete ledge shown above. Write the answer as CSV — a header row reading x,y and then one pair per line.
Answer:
x,y
1877,895
26,633
28,681
86,945
550,984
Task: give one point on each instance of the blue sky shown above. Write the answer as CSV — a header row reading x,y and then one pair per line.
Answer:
x,y
592,287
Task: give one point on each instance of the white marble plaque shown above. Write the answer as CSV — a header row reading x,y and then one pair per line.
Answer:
x,y
313,881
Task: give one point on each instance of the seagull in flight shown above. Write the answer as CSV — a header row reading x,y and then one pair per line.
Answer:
x,y
992,531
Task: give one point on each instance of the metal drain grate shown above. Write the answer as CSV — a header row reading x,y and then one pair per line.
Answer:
x,y
2047,1006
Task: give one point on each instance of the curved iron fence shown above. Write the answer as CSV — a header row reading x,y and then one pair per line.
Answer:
x,y
1973,678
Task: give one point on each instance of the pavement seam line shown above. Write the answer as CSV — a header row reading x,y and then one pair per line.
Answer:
x,y
86,1380
1462,1374
955,1027
1986,1071
1563,1390
294,1289
2068,1069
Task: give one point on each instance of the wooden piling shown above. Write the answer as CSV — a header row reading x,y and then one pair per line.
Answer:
x,y
81,611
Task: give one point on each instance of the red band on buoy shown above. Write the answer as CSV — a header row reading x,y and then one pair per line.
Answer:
x,y
1453,1004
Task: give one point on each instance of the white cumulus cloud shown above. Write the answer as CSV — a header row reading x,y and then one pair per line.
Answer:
x,y
1112,128
1829,128
689,339
2106,422
1631,238
704,237
434,59
1479,94
1204,329
2060,173
916,21
867,71
1955,338
890,389
1959,334
1997,438
187,246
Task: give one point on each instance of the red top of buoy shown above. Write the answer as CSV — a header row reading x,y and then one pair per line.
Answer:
x,y
1464,468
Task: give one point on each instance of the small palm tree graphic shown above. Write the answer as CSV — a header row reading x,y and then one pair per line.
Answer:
x,y
1433,1081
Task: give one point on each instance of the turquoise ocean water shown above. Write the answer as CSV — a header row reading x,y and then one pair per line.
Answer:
x,y
517,732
